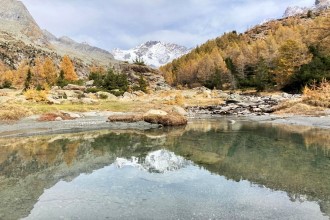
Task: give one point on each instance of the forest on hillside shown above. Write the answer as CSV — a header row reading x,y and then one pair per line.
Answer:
x,y
284,54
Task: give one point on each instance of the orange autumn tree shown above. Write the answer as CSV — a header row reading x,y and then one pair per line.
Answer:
x,y
21,74
39,77
68,69
50,71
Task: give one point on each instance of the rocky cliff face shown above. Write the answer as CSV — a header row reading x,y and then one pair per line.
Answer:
x,y
322,2
296,10
16,19
153,53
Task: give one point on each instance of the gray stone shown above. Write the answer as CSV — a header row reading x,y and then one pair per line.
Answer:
x,y
74,87
155,112
89,83
50,100
179,110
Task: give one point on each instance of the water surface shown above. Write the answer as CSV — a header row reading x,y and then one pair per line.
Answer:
x,y
210,169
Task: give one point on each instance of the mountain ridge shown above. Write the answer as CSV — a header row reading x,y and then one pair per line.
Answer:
x,y
18,24
153,53
296,10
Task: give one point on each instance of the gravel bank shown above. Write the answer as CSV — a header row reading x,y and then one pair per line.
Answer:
x,y
310,121
31,126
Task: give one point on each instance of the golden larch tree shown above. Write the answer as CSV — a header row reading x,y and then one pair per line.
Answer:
x,y
21,73
50,71
39,77
68,69
292,55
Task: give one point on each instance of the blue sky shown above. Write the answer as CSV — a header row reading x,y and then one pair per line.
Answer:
x,y
127,23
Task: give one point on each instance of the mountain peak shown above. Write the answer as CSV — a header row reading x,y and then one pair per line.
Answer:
x,y
15,18
13,10
154,53
151,43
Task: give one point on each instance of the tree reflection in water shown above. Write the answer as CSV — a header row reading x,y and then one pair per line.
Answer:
x,y
286,158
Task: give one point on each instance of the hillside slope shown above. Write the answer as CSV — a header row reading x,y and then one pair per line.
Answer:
x,y
270,55
23,45
18,30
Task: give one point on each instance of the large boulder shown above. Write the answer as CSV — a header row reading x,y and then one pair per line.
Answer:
x,y
75,87
154,112
179,110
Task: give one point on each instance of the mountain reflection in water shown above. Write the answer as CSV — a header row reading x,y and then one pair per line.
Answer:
x,y
209,169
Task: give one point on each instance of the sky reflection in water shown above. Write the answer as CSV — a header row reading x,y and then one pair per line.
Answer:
x,y
209,170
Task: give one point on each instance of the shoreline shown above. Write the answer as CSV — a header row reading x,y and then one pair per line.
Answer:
x,y
321,122
30,126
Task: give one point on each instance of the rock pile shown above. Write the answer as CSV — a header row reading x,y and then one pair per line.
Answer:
x,y
243,105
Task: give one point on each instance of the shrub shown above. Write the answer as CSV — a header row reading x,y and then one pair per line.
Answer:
x,y
113,81
80,96
142,85
117,92
318,95
7,84
139,61
34,95
93,90
179,99
103,96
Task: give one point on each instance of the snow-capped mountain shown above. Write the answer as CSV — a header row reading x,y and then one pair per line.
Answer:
x,y
153,53
295,10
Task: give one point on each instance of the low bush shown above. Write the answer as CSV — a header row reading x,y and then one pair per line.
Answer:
x,y
103,96
93,90
318,95
35,95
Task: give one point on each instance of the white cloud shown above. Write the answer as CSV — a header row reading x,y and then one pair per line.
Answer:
x,y
126,23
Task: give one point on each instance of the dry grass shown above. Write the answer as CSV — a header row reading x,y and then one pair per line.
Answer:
x,y
13,112
172,119
158,100
297,107
318,95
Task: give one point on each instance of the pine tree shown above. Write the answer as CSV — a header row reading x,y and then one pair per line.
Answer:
x,y
28,80
142,84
